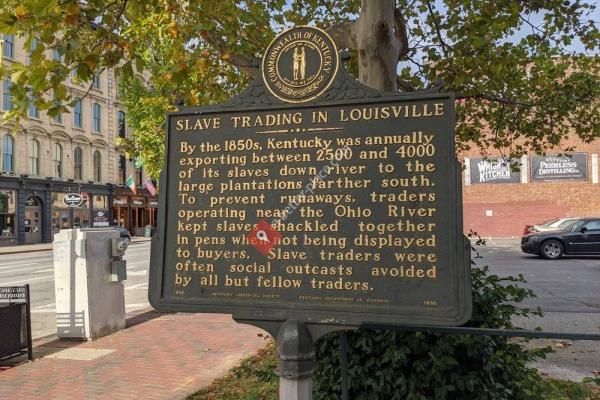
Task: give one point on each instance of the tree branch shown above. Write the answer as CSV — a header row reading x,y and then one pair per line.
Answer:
x,y
495,99
401,33
404,85
445,45
343,34
246,64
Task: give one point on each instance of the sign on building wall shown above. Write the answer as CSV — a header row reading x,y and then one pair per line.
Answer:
x,y
73,199
559,168
492,170
312,197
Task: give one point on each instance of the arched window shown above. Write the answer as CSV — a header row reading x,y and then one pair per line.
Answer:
x,y
58,160
7,153
97,166
78,163
34,157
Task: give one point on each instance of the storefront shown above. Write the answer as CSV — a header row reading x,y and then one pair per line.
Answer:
x,y
100,213
8,207
32,210
135,212
121,211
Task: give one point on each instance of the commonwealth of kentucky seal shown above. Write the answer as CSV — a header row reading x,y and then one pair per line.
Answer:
x,y
300,64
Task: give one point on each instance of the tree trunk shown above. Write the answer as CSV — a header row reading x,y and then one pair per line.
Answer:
x,y
378,46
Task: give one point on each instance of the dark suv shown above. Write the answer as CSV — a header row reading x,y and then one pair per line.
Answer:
x,y
580,237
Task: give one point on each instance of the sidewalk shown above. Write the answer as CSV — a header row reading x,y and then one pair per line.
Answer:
x,y
28,248
158,356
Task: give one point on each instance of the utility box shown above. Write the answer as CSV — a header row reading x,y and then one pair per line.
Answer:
x,y
88,280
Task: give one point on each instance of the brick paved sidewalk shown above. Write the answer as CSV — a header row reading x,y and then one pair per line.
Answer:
x,y
159,356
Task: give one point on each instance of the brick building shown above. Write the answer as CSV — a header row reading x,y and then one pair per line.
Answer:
x,y
71,153
501,205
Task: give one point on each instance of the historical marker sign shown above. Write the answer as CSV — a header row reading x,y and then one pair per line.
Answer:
x,y
327,202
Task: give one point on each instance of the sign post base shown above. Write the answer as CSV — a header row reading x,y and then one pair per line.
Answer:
x,y
295,389
295,356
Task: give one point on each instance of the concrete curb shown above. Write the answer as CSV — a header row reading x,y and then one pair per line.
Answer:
x,y
48,246
20,250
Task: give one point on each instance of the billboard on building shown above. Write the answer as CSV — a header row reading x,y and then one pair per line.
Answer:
x,y
559,168
493,170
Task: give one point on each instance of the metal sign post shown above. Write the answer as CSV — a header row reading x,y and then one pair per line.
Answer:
x,y
295,357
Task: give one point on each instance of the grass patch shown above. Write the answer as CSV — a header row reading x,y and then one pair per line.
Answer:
x,y
255,379
567,390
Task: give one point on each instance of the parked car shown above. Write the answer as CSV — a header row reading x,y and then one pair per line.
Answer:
x,y
124,233
579,237
551,225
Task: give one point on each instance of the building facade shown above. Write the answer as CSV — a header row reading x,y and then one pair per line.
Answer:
x,y
499,202
71,153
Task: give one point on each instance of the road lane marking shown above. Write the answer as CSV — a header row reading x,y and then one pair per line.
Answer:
x,y
16,271
137,305
27,280
27,265
138,286
137,273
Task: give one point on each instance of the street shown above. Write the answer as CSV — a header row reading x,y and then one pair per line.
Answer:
x,y
36,268
568,291
569,285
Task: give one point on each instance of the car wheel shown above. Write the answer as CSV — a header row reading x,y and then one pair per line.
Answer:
x,y
552,249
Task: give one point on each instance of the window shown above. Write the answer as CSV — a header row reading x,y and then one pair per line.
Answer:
x,y
32,48
96,81
119,84
7,213
78,114
7,104
7,153
57,119
97,111
78,163
34,157
97,166
58,160
122,170
593,226
138,178
55,55
121,118
32,111
8,47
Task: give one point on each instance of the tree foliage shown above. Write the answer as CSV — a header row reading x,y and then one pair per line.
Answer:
x,y
519,86
388,365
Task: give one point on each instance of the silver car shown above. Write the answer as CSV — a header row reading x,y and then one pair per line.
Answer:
x,y
552,225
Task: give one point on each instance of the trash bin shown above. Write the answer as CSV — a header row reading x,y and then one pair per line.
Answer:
x,y
88,278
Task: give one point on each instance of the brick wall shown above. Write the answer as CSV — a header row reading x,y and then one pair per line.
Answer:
x,y
503,210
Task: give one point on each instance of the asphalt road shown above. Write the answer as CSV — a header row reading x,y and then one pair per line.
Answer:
x,y
37,269
569,285
568,291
